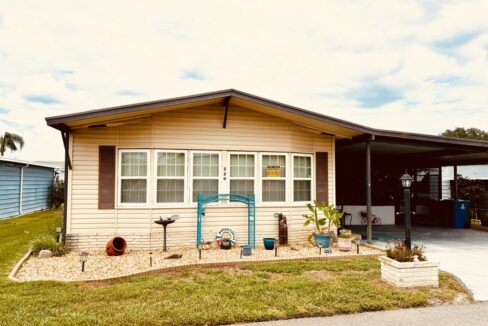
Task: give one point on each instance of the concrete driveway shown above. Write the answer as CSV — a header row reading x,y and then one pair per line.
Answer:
x,y
454,315
463,253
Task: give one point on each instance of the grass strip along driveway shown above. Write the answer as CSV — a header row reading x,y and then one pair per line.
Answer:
x,y
201,296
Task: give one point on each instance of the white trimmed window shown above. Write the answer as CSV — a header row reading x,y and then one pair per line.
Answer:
x,y
170,177
273,177
302,178
133,177
242,174
205,174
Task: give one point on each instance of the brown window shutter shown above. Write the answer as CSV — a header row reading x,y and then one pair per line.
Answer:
x,y
106,177
322,177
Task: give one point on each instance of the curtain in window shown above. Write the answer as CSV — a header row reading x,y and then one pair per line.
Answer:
x,y
170,186
242,174
205,174
133,177
302,178
273,169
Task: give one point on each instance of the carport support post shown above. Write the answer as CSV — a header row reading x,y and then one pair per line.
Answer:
x,y
368,191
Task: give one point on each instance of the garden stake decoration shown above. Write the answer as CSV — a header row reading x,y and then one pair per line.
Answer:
x,y
83,259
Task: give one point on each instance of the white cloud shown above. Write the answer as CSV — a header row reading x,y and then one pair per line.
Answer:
x,y
57,58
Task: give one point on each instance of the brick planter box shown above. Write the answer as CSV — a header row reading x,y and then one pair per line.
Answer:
x,y
409,274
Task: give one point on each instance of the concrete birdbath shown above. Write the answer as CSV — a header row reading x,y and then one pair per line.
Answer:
x,y
164,223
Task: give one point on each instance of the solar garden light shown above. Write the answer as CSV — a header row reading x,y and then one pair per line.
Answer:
x,y
406,180
83,259
150,259
356,242
58,234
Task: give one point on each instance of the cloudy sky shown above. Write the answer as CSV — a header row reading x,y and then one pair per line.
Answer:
x,y
405,65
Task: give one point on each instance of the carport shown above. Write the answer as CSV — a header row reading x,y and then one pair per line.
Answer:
x,y
368,168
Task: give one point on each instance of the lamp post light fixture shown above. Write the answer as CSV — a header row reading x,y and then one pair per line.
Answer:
x,y
83,259
406,180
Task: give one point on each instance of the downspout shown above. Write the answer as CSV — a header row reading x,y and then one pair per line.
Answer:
x,y
67,166
21,188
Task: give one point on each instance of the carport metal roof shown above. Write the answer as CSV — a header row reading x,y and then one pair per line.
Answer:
x,y
417,150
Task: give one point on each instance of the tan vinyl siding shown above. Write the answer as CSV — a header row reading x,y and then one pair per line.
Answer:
x,y
187,129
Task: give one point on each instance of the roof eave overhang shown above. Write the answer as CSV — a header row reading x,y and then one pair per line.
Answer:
x,y
362,133
63,122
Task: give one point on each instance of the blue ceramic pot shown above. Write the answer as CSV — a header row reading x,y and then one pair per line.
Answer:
x,y
269,243
322,240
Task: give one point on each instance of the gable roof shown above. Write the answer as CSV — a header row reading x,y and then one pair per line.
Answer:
x,y
235,97
338,127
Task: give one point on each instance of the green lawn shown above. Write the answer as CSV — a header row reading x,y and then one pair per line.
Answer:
x,y
200,296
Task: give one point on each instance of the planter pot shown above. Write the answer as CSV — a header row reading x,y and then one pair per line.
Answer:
x,y
344,244
409,274
246,250
226,244
269,243
322,240
116,246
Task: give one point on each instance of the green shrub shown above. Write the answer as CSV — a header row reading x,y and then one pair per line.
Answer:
x,y
47,242
57,192
55,223
345,234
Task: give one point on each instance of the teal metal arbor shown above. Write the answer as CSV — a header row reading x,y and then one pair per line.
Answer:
x,y
249,200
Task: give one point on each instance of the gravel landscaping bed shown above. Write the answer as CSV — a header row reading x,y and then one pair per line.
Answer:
x,y
100,266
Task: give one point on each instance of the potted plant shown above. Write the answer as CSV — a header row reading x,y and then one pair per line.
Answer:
x,y
269,243
344,240
408,268
322,234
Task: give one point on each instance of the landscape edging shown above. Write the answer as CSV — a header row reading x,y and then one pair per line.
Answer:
x,y
17,266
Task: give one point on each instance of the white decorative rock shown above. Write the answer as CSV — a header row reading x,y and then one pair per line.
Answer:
x,y
45,254
409,274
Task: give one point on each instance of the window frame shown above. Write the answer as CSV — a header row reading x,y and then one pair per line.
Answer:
x,y
120,178
256,172
285,178
191,177
311,179
156,178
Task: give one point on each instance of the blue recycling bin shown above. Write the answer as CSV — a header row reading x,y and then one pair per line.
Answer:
x,y
461,212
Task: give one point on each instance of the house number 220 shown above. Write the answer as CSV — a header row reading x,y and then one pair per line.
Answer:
x,y
225,173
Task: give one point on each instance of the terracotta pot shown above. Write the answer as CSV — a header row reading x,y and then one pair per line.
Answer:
x,y
116,246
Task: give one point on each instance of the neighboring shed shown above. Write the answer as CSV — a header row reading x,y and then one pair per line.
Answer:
x,y
24,187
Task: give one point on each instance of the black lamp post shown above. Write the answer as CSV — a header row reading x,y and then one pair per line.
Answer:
x,y
406,180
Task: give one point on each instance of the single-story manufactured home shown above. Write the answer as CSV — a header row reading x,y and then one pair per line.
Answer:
x,y
24,186
127,166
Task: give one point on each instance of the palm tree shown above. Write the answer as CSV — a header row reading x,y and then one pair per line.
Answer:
x,y
11,141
